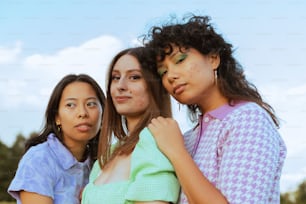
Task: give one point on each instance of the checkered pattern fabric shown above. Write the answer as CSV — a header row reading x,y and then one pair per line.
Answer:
x,y
240,152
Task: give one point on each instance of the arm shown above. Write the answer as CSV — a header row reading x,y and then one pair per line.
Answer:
x,y
30,198
195,185
250,158
33,175
152,175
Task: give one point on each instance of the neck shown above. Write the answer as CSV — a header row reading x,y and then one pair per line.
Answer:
x,y
131,123
212,102
77,151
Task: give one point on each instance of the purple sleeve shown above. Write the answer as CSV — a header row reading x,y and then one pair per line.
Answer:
x,y
249,164
33,175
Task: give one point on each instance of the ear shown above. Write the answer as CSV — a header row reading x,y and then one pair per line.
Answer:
x,y
214,60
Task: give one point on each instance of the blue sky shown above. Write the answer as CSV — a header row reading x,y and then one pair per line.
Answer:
x,y
42,40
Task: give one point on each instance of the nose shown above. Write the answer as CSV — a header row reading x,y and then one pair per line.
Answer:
x,y
172,74
122,84
83,112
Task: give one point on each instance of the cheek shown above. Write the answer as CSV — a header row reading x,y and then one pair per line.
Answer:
x,y
195,69
99,120
143,100
65,120
200,72
62,116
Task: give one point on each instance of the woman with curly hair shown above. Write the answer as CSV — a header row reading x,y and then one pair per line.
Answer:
x,y
234,154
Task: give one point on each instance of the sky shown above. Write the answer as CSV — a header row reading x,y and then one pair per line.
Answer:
x,y
43,40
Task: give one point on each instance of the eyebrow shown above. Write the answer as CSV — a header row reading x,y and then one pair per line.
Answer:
x,y
129,70
74,99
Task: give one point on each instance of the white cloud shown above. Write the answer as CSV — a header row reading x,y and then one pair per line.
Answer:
x,y
136,42
299,90
38,73
27,83
91,57
9,55
290,179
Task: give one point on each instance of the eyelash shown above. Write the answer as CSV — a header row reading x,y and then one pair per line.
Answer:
x,y
70,105
115,78
181,58
92,103
162,72
132,77
89,104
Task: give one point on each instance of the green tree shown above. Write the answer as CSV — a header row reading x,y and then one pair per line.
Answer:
x,y
286,198
4,173
300,194
8,164
296,197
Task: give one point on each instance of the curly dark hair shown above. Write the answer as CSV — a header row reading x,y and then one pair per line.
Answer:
x,y
197,32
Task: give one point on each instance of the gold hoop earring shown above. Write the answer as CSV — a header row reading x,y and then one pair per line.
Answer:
x,y
59,127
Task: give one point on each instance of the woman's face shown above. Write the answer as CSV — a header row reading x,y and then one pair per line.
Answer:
x,y
128,88
79,113
188,75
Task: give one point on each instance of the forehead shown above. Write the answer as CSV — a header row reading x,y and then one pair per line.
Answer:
x,y
126,63
78,90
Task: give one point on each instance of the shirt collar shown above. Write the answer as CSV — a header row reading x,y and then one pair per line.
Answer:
x,y
63,155
223,110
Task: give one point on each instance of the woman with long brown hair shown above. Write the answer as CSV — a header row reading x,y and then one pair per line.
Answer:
x,y
130,167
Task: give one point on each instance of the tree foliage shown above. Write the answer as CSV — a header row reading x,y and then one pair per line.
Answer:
x,y
10,157
300,194
296,197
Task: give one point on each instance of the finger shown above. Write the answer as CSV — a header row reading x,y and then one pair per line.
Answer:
x,y
157,121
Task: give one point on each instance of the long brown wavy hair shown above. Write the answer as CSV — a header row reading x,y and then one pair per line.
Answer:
x,y
112,124
198,33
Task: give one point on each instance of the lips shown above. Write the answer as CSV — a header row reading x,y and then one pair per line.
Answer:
x,y
179,89
121,99
83,127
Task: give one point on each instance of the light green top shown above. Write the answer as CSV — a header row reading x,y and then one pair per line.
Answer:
x,y
152,177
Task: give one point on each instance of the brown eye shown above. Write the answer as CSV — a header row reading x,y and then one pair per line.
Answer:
x,y
92,104
115,77
135,77
70,105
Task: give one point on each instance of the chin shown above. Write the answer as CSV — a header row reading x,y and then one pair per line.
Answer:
x,y
123,112
182,100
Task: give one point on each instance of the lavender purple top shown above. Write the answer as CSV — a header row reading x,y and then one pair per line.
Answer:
x,y
51,170
240,151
